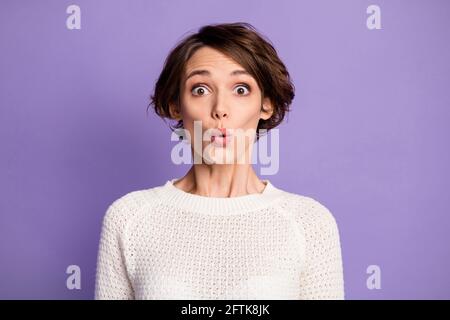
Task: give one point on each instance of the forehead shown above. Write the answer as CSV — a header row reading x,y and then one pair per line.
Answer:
x,y
210,58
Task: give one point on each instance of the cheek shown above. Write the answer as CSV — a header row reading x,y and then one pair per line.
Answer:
x,y
193,109
247,114
197,112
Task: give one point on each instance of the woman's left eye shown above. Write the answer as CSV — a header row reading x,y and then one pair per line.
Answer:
x,y
241,89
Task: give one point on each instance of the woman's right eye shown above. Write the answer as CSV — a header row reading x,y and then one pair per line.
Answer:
x,y
199,91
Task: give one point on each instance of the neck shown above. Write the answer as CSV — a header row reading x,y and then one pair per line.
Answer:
x,y
221,180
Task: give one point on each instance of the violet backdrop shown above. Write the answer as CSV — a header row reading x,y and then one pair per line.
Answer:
x,y
367,135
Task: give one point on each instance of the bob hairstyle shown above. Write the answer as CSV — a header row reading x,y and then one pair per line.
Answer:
x,y
241,42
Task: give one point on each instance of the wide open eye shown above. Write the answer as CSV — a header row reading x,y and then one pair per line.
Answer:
x,y
199,90
242,89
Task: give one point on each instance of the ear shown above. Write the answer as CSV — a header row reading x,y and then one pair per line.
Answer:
x,y
174,111
266,109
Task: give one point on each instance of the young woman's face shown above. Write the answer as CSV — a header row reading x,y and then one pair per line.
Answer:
x,y
219,92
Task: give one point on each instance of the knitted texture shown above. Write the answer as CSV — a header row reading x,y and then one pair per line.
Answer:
x,y
164,243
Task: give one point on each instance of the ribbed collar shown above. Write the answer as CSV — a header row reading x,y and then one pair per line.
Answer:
x,y
217,205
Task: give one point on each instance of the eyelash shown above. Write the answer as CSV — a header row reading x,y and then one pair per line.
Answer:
x,y
198,85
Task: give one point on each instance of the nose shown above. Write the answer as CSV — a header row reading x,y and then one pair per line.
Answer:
x,y
219,114
219,111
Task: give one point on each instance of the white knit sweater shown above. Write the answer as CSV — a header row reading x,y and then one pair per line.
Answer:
x,y
165,243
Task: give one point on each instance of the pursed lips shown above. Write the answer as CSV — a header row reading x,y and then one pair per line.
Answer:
x,y
221,135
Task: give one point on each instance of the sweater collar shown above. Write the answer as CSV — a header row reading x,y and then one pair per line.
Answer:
x,y
218,205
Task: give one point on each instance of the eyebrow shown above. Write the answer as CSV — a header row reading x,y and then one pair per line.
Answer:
x,y
207,73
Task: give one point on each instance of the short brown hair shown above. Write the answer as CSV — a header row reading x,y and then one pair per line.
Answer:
x,y
241,42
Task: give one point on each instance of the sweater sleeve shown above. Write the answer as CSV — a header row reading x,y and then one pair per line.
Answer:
x,y
112,281
322,277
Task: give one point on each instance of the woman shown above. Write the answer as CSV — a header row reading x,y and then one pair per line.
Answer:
x,y
220,232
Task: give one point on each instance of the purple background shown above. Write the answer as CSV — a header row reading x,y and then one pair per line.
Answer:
x,y
367,137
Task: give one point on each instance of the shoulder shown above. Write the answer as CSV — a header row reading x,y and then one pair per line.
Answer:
x,y
309,212
130,206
